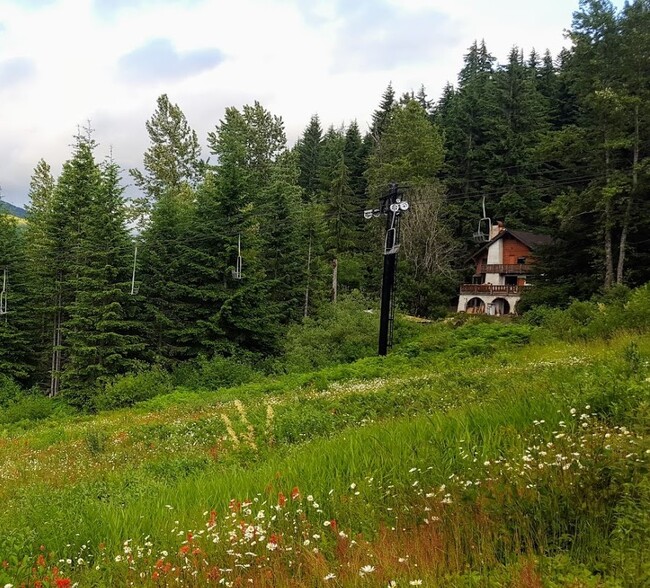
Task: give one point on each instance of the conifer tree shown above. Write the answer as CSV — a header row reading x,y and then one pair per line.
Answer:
x,y
173,159
381,116
101,337
309,149
41,270
15,352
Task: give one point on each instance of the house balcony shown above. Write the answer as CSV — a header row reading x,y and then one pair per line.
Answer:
x,y
493,289
503,268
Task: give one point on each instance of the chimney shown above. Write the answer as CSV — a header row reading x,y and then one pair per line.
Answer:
x,y
496,229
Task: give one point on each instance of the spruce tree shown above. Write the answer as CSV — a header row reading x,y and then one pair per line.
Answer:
x,y
15,352
41,270
309,149
381,116
101,337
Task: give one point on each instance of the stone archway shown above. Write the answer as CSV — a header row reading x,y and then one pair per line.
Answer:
x,y
500,306
475,306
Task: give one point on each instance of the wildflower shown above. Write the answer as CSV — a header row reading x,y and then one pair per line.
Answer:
x,y
415,583
295,493
329,576
366,570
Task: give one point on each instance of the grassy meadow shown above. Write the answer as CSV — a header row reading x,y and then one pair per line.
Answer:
x,y
477,454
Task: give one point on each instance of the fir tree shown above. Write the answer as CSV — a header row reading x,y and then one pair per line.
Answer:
x,y
309,149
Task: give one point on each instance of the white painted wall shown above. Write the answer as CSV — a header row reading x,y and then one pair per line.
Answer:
x,y
487,299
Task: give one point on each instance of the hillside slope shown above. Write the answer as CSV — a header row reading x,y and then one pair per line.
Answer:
x,y
527,467
13,210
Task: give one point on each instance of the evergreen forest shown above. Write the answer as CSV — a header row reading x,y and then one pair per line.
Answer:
x,y
229,253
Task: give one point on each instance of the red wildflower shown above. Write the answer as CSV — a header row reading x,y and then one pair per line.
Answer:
x,y
184,549
40,561
213,518
333,525
63,583
295,493
282,499
155,576
275,538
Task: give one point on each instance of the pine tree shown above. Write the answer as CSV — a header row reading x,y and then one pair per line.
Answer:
x,y
172,307
381,116
309,149
97,336
517,130
15,356
411,150
173,160
41,270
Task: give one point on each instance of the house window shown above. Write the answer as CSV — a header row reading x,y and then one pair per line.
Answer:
x,y
511,280
521,260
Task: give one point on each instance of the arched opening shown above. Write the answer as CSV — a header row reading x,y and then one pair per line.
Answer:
x,y
500,306
475,306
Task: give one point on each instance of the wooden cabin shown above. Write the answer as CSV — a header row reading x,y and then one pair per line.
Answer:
x,y
502,267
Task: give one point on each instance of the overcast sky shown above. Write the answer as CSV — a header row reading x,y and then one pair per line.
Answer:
x,y
64,62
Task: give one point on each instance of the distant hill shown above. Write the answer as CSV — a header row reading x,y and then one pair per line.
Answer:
x,y
15,210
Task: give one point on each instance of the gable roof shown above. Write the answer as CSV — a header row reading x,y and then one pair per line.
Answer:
x,y
531,240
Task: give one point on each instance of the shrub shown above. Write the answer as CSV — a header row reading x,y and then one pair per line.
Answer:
x,y
131,388
216,372
9,391
28,408
341,333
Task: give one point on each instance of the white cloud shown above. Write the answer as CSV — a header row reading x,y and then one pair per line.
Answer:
x,y
74,60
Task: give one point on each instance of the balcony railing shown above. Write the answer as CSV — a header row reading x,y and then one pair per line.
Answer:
x,y
503,268
492,289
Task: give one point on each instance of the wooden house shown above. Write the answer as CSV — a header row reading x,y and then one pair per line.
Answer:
x,y
502,267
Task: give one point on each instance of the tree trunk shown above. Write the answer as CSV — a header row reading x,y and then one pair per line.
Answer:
x,y
628,209
335,279
609,257
306,310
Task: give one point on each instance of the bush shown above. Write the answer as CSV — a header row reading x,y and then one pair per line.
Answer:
x,y
216,372
341,333
28,408
131,388
9,391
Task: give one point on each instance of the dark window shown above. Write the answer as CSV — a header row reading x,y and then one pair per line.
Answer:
x,y
521,260
511,280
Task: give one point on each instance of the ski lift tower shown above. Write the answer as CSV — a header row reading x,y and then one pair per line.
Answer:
x,y
392,206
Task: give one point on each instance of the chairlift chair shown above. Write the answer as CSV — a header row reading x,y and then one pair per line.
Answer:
x,y
3,292
484,229
236,273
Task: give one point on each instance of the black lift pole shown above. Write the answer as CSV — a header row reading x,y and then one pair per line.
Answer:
x,y
392,206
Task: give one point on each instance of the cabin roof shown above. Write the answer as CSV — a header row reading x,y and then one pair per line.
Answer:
x,y
531,240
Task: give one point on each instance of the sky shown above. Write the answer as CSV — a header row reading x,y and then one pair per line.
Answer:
x,y
64,63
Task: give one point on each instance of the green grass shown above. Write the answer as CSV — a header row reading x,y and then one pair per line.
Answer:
x,y
373,443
